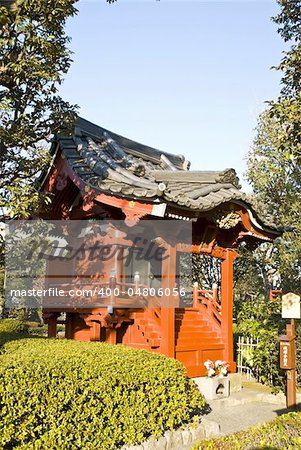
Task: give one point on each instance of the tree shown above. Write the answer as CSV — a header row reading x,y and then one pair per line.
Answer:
x,y
274,162
34,57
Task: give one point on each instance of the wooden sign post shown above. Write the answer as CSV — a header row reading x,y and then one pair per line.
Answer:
x,y
290,309
288,362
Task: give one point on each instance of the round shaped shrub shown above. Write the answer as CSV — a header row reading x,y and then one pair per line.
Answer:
x,y
74,395
12,326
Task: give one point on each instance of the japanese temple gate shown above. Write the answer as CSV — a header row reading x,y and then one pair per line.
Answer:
x,y
99,174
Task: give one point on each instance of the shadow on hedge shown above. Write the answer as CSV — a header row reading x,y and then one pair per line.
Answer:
x,y
265,448
76,395
8,337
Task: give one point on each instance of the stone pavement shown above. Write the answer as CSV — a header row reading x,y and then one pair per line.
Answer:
x,y
246,408
242,409
239,416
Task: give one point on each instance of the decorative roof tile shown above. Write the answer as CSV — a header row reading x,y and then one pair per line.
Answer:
x,y
116,165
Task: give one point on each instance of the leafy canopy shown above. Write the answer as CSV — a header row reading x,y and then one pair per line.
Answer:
x,y
274,162
34,57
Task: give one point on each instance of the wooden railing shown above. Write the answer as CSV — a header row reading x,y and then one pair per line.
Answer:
x,y
116,294
153,312
207,301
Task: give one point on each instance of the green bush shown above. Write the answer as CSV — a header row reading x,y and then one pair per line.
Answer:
x,y
261,319
38,330
282,433
11,329
80,395
298,352
12,326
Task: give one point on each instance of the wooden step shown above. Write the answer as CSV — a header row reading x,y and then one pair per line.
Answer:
x,y
198,335
188,314
152,335
193,327
191,319
203,338
143,321
190,346
153,339
155,343
146,328
149,330
183,310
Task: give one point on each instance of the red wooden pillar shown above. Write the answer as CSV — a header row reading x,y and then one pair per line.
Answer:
x,y
168,309
69,326
195,295
95,331
227,303
51,320
111,336
93,322
94,326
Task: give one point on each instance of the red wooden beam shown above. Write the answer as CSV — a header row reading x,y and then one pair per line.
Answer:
x,y
246,221
216,252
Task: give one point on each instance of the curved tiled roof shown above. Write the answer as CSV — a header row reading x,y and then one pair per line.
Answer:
x,y
116,165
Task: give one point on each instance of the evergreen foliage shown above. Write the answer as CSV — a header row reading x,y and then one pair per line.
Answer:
x,y
75,395
274,162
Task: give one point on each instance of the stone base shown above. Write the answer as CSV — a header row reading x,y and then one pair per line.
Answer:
x,y
235,385
213,388
235,382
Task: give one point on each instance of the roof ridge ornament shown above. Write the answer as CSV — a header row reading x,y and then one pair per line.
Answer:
x,y
167,163
109,141
138,168
225,219
186,164
106,167
229,176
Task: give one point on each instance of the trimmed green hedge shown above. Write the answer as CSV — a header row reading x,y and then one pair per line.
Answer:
x,y
282,433
12,326
11,329
80,395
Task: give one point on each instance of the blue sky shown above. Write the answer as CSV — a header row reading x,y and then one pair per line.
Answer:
x,y
187,77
